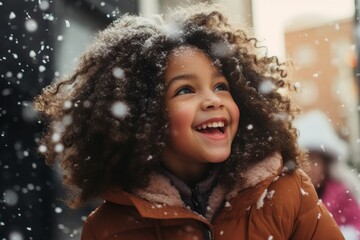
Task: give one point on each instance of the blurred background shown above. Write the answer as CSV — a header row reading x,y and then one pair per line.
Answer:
x,y
42,39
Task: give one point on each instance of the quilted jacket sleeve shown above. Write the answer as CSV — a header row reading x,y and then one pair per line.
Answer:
x,y
314,221
87,232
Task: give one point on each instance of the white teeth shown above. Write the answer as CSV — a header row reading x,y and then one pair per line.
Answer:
x,y
211,125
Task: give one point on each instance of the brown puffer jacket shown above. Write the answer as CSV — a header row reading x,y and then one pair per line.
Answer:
x,y
272,204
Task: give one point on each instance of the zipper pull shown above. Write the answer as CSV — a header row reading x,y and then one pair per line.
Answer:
x,y
208,235
196,200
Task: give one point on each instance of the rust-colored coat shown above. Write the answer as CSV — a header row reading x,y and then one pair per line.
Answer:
x,y
270,205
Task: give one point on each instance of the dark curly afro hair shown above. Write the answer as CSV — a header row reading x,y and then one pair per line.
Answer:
x,y
107,121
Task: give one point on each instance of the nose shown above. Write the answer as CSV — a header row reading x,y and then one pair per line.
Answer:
x,y
211,101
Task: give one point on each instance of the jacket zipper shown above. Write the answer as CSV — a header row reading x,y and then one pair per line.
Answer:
x,y
197,201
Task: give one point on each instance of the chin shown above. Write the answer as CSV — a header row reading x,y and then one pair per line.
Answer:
x,y
216,158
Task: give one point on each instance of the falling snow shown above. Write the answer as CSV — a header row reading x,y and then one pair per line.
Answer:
x,y
266,87
44,5
19,75
270,194
67,104
15,235
59,148
86,104
260,202
172,30
31,25
249,127
12,15
322,147
276,178
42,68
221,49
67,120
10,197
58,210
303,192
32,54
118,72
119,109
297,86
56,137
290,165
316,75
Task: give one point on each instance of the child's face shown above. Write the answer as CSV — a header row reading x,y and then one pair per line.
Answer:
x,y
203,115
317,171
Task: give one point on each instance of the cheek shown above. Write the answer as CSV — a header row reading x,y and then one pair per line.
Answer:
x,y
235,115
180,120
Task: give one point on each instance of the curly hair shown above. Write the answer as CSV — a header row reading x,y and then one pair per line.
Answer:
x,y
107,121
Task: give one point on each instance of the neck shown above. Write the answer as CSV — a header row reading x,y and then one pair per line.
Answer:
x,y
190,172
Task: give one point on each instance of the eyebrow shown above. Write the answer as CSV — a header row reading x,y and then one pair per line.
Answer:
x,y
189,76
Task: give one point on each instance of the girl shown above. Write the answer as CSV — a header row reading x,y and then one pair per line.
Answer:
x,y
335,182
184,132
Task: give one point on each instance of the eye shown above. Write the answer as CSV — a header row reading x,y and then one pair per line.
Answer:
x,y
183,90
222,87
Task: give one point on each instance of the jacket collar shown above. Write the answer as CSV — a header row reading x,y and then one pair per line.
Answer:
x,y
161,200
203,188
170,208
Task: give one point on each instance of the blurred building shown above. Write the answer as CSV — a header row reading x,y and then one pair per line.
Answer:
x,y
240,10
318,38
324,58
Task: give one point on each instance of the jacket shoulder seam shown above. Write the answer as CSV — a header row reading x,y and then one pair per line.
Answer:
x,y
89,220
301,199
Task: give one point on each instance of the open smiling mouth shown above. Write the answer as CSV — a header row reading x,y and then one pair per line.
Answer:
x,y
212,128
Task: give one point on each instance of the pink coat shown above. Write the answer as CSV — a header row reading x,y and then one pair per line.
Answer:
x,y
342,204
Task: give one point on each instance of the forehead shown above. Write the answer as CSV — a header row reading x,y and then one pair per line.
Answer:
x,y
188,59
189,50
183,53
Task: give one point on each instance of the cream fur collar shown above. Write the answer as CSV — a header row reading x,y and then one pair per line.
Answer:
x,y
160,190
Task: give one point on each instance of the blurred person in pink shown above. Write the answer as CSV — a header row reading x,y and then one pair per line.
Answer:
x,y
337,185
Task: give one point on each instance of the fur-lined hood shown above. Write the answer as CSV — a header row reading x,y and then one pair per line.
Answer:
x,y
160,191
